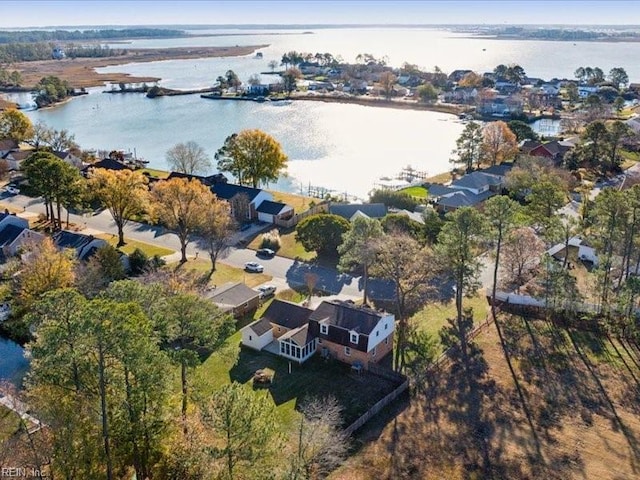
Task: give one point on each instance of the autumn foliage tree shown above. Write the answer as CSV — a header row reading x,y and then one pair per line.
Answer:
x,y
252,156
216,229
123,192
499,143
15,125
180,205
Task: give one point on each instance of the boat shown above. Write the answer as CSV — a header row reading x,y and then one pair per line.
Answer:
x,y
258,55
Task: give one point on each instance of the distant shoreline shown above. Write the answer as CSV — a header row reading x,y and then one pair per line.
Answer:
x,y
564,40
81,72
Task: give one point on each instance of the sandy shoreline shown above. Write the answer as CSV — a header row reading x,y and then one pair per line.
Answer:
x,y
381,102
81,73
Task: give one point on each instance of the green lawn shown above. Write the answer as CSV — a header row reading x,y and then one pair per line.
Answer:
x,y
316,377
162,174
9,423
433,317
225,273
131,245
416,191
289,248
300,203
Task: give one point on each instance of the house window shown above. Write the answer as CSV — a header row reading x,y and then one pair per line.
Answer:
x,y
386,325
324,329
354,337
377,334
373,352
347,351
250,338
386,341
319,340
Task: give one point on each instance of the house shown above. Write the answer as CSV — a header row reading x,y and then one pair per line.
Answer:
x,y
585,251
8,145
85,246
585,90
461,198
15,158
13,237
257,90
208,181
107,164
269,211
350,211
279,318
244,201
337,329
501,106
634,124
235,298
14,233
458,75
461,95
478,182
69,158
553,150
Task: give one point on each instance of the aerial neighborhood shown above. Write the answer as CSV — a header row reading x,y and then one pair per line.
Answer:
x,y
198,321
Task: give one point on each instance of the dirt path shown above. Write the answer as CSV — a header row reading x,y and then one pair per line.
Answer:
x,y
80,72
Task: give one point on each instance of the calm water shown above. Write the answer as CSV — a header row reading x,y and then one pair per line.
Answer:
x,y
342,147
13,365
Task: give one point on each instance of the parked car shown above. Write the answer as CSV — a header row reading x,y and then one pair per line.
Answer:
x,y
266,290
12,190
253,267
265,252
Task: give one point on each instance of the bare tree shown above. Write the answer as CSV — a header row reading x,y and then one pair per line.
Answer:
x,y
520,256
321,444
189,158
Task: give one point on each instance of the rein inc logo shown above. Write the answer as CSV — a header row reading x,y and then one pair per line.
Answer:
x,y
21,472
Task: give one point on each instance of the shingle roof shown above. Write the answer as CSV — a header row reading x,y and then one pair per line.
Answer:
x,y
232,294
227,191
346,210
463,198
271,208
501,169
347,316
107,164
9,233
438,190
287,314
260,327
8,144
476,180
301,336
66,239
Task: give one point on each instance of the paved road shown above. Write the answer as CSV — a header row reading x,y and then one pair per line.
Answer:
x,y
283,270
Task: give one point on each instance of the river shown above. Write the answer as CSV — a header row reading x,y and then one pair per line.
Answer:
x,y
342,147
13,364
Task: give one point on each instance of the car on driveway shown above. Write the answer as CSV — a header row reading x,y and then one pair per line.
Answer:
x,y
266,290
253,267
265,252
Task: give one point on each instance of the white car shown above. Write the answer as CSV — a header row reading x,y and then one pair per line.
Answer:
x,y
12,190
266,290
253,267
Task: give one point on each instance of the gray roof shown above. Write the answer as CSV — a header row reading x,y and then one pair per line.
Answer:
x,y
271,208
8,234
463,198
347,315
301,336
500,170
346,210
232,295
260,327
287,314
67,239
476,180
438,190
227,191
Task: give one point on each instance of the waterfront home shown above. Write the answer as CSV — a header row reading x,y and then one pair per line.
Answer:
x,y
458,75
69,158
257,90
350,211
353,334
467,95
106,164
207,181
585,90
244,201
501,106
270,212
235,298
554,150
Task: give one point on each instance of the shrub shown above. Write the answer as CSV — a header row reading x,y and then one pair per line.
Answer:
x,y
138,261
394,199
270,240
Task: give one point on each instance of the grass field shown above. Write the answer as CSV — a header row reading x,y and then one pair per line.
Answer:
x,y
565,407
131,245
162,174
416,191
9,423
316,377
432,318
289,248
225,273
300,203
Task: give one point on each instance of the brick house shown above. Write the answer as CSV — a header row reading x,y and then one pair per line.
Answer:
x,y
350,333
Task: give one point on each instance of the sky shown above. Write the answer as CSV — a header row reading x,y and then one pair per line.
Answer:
x,y
42,13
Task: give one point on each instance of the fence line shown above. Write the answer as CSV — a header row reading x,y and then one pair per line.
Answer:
x,y
386,373
293,221
376,408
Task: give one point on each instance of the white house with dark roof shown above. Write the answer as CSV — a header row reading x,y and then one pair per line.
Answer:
x,y
15,233
235,298
350,211
270,211
83,245
233,193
